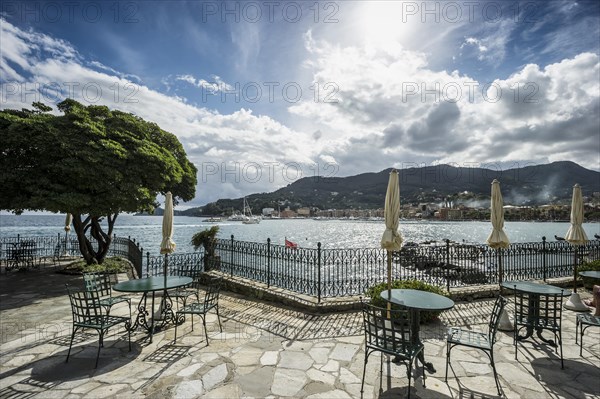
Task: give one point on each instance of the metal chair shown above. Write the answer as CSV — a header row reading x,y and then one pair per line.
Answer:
x,y
184,293
585,320
101,284
537,313
478,340
211,301
390,332
89,313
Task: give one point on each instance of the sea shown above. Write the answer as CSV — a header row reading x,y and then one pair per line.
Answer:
x,y
147,230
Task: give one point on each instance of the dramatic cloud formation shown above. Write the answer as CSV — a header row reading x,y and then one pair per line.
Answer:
x,y
374,93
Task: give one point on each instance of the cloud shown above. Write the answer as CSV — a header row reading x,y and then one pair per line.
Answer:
x,y
393,104
240,151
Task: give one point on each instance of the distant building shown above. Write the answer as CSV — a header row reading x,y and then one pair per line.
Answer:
x,y
268,211
303,212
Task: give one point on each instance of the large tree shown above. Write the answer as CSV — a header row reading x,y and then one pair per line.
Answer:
x,y
92,162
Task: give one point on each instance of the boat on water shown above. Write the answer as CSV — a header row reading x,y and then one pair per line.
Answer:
x,y
248,218
212,220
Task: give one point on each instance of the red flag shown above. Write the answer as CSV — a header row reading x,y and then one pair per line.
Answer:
x,y
290,244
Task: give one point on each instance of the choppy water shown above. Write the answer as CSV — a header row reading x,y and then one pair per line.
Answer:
x,y
305,232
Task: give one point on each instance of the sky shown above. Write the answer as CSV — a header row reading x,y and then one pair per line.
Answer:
x,y
262,93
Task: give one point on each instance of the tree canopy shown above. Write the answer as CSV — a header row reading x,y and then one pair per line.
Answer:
x,y
89,161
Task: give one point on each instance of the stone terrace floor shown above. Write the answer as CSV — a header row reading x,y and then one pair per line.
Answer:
x,y
264,351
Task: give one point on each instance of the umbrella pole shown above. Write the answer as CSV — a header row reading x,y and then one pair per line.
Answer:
x,y
389,281
500,268
575,270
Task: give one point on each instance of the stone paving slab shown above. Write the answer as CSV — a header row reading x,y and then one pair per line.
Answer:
x,y
265,351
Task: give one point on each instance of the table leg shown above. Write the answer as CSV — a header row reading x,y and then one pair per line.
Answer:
x,y
141,319
167,314
416,327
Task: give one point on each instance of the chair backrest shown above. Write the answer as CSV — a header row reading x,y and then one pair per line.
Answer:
x,y
390,334
499,306
98,282
546,312
211,298
85,306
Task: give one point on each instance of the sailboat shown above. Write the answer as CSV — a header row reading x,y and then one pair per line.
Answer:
x,y
248,218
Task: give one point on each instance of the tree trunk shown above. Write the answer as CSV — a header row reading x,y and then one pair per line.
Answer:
x,y
102,239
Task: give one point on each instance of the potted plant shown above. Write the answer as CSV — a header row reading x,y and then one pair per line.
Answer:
x,y
207,239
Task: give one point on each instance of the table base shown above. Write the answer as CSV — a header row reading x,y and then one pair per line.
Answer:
x,y
166,315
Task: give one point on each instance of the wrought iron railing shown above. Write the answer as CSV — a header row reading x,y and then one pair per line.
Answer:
x,y
62,245
328,272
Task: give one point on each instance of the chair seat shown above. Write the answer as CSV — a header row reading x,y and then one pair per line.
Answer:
x,y
196,308
473,339
537,322
183,292
113,300
102,322
589,319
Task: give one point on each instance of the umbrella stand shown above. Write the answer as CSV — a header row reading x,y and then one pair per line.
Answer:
x,y
504,324
574,302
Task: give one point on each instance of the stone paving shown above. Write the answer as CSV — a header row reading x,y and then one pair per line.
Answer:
x,y
264,351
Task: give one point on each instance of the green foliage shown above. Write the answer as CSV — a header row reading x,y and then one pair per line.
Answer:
x,y
90,161
587,266
375,291
110,265
206,239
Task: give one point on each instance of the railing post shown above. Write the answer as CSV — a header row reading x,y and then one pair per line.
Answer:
x,y
268,262
544,257
148,264
231,263
447,264
318,272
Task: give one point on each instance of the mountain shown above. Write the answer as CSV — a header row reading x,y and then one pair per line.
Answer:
x,y
529,185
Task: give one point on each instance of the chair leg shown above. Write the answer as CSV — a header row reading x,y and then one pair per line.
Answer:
x,y
409,371
71,344
176,318
99,346
422,371
362,385
203,316
448,348
495,373
562,363
219,318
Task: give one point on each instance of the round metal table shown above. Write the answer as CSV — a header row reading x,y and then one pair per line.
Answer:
x,y
534,291
416,301
591,274
152,285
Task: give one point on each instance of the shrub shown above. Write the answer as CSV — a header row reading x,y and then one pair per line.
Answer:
x,y
110,265
593,265
374,293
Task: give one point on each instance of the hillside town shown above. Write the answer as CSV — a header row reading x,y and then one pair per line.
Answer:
x,y
446,210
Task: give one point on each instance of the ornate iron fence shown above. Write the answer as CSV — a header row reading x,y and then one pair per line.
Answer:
x,y
323,272
61,245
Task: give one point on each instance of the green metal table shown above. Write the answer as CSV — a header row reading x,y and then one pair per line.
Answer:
x,y
152,285
534,291
591,274
416,301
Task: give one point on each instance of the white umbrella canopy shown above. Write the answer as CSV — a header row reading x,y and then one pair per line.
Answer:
x,y
167,245
391,239
497,238
576,236
68,220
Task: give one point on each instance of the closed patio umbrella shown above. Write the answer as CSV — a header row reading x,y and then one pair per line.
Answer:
x,y
391,239
68,220
576,236
167,245
498,240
